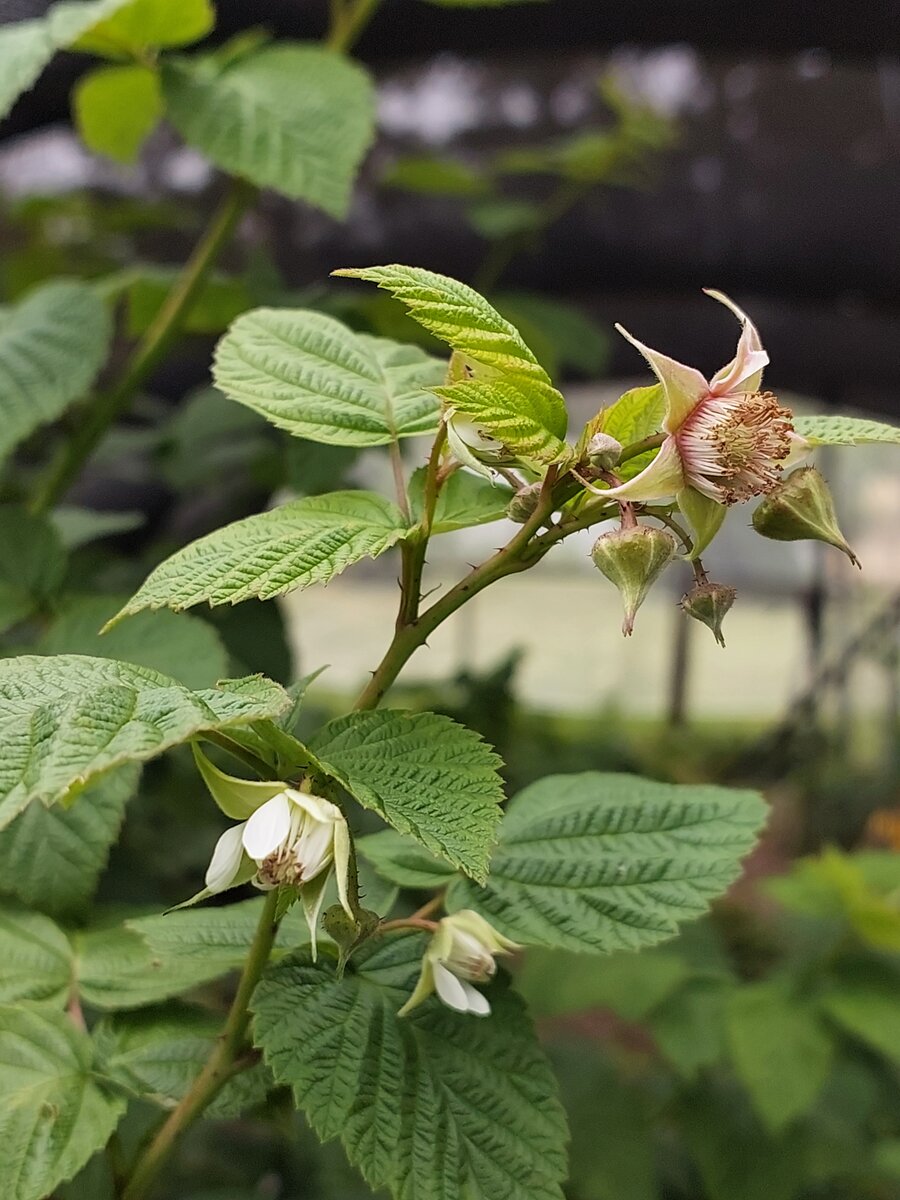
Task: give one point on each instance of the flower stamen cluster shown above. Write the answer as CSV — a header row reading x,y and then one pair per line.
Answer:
x,y
733,447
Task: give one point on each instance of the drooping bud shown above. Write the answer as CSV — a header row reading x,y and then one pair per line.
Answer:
x,y
603,451
524,503
348,931
709,602
633,559
460,954
802,508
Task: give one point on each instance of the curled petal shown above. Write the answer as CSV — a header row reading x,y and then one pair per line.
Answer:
x,y
342,864
744,372
267,829
452,991
662,478
423,989
225,864
315,806
684,386
478,1005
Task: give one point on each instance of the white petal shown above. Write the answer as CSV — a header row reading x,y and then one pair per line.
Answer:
x,y
315,806
265,831
226,859
450,989
342,864
461,451
478,1002
744,372
684,386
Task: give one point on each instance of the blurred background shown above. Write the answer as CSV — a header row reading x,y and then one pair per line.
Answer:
x,y
580,164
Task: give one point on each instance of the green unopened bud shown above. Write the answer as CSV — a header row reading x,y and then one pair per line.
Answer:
x,y
603,451
524,502
347,931
633,559
709,602
801,508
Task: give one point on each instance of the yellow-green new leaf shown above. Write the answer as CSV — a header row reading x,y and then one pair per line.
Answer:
x,y
304,542
140,24
521,413
309,374
116,108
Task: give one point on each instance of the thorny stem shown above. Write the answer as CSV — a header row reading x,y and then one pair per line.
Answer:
x,y
399,478
148,353
219,1066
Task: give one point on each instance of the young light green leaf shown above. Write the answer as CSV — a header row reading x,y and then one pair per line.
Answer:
x,y
844,431
297,118
138,25
433,1106
301,543
424,774
403,861
157,1054
52,344
462,318
36,957
520,413
463,501
53,1113
598,862
309,374
116,108
781,1049
51,858
183,647
66,720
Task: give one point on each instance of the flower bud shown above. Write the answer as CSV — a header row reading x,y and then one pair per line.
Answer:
x,y
633,559
461,953
603,451
524,503
801,507
709,602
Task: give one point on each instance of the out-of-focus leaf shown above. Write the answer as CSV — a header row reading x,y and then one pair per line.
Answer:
x,y
116,109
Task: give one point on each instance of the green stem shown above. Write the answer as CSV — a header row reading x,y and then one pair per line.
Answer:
x,y
149,352
647,443
415,547
219,1067
346,28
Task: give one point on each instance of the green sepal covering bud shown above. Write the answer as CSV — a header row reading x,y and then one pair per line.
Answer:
x,y
709,602
802,508
603,451
633,559
347,932
524,503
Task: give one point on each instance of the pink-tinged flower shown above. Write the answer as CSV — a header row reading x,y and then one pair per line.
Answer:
x,y
726,437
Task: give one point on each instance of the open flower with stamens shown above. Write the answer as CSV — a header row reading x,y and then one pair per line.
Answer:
x,y
288,838
460,954
725,437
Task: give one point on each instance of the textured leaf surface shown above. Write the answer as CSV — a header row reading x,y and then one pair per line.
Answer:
x,y
53,1113
157,1054
598,862
292,117
66,720
464,500
781,1050
844,431
183,647
519,413
425,775
434,1106
52,344
36,957
311,375
403,861
116,108
51,858
301,543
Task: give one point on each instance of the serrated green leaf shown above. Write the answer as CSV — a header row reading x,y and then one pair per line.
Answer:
x,y
424,774
867,1008
51,858
116,108
32,563
598,862
781,1050
301,543
66,720
158,1053
309,374
53,1113
433,1106
52,344
463,501
36,957
403,861
297,118
517,413
462,318
183,647
137,25
844,431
